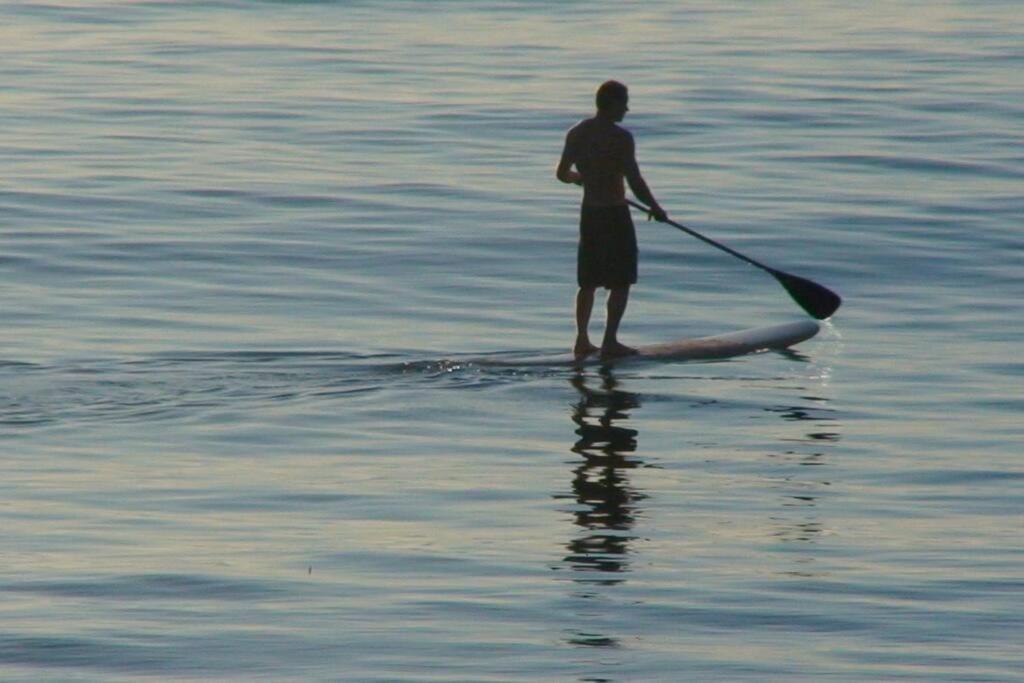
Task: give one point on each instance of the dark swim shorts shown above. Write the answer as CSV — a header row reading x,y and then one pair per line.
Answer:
x,y
607,252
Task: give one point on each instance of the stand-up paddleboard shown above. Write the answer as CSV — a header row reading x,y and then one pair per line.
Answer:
x,y
714,347
733,343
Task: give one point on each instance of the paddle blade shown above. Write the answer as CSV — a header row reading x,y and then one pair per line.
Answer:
x,y
819,302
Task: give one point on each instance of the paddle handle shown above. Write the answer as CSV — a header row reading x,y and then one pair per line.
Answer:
x,y
703,238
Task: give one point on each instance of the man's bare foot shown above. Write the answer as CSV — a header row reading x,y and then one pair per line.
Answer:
x,y
584,348
617,350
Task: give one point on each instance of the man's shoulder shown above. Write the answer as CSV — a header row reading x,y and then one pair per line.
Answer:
x,y
622,132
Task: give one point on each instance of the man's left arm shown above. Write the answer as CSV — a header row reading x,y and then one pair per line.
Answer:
x,y
639,186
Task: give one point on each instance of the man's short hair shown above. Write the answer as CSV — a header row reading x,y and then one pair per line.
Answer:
x,y
611,92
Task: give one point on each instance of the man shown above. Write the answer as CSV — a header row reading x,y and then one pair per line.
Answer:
x,y
603,155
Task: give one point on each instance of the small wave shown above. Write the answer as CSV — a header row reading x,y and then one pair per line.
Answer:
x,y
180,384
147,586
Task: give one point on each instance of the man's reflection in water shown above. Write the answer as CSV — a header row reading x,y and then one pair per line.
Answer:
x,y
605,502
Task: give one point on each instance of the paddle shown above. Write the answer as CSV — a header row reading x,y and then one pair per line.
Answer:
x,y
819,302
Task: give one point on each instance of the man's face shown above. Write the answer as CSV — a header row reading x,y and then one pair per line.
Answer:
x,y
619,108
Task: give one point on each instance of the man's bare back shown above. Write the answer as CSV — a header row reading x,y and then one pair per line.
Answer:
x,y
603,153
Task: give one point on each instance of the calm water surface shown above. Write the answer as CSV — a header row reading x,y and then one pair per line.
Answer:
x,y
254,252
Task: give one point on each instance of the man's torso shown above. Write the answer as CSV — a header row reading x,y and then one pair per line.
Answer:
x,y
602,150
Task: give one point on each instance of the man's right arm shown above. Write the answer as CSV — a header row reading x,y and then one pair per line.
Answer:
x,y
565,172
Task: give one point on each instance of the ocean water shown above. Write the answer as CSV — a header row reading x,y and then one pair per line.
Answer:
x,y
251,256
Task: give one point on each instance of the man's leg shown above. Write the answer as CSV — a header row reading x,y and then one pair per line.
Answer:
x,y
617,300
584,306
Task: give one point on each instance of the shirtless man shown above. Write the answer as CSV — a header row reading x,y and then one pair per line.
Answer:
x,y
604,155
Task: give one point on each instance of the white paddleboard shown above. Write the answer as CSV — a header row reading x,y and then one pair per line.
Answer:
x,y
733,343
718,346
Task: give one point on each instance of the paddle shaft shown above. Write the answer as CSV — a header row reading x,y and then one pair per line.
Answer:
x,y
719,245
820,302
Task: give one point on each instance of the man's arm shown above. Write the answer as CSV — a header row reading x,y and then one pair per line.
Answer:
x,y
565,172
639,186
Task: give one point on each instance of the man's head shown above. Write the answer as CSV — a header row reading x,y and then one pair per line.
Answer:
x,y
612,100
